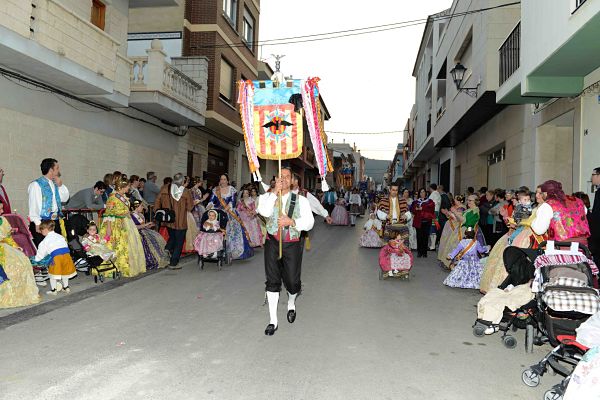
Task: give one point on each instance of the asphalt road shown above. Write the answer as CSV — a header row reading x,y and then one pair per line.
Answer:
x,y
194,334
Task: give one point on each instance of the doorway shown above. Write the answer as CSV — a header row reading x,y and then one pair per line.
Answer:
x,y
445,175
218,162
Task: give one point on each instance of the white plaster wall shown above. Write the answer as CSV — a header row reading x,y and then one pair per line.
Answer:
x,y
589,142
489,31
87,142
546,28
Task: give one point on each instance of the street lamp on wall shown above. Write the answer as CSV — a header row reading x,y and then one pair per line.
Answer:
x,y
458,74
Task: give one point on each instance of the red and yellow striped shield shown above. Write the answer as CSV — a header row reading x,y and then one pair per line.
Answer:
x,y
277,131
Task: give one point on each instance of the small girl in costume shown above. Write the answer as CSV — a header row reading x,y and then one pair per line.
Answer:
x,y
94,245
371,237
468,270
210,239
61,266
395,258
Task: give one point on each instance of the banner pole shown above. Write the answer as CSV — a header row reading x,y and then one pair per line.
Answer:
x,y
280,213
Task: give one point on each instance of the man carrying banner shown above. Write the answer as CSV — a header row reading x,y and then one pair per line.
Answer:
x,y
295,218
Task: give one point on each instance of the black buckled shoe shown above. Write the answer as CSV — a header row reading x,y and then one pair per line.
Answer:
x,y
270,330
291,316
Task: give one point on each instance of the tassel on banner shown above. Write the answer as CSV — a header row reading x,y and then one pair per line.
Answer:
x,y
307,243
324,185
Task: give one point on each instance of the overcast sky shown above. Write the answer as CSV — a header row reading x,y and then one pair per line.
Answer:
x,y
366,80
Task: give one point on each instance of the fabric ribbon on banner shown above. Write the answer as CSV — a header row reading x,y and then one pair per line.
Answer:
x,y
246,101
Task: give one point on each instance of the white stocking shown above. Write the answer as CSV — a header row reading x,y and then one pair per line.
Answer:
x,y
52,283
292,301
273,299
65,281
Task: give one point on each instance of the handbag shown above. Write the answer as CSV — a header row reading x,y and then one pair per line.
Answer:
x,y
165,215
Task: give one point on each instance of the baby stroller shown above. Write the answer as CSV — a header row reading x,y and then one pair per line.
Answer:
x,y
76,227
519,264
222,256
566,300
22,236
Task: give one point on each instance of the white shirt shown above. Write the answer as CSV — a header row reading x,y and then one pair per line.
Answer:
x,y
51,242
315,204
35,199
305,222
355,199
436,197
543,216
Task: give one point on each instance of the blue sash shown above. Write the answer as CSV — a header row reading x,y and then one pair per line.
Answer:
x,y
47,194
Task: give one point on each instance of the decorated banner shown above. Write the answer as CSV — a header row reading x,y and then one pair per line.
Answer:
x,y
272,121
277,132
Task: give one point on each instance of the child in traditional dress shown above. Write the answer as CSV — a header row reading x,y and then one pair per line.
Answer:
x,y
395,258
372,235
61,266
210,239
94,245
468,270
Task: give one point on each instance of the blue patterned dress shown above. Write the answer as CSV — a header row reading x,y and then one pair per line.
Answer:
x,y
467,273
238,243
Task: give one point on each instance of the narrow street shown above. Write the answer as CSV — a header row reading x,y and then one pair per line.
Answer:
x,y
194,334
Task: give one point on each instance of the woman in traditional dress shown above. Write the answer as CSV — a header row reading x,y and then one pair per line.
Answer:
x,y
467,273
261,220
246,208
519,235
339,215
238,240
198,197
153,244
412,232
562,217
452,232
17,287
121,234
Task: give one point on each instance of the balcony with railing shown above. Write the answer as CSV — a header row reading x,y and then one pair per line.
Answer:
x,y
46,40
510,54
160,89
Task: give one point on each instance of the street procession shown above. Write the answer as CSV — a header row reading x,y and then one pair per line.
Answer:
x,y
236,199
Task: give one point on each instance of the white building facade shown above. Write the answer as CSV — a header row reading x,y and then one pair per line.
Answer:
x,y
70,92
526,117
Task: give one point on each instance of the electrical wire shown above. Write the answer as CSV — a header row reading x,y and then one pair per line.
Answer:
x,y
15,77
352,32
363,133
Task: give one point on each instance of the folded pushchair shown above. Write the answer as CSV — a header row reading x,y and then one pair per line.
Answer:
x,y
76,227
519,264
222,256
566,298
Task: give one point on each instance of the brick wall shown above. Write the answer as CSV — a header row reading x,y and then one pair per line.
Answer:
x,y
215,48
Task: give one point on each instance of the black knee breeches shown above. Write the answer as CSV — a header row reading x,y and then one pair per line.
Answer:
x,y
288,269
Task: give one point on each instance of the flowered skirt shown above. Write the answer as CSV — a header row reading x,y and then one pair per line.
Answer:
x,y
339,215
466,274
208,242
371,239
20,289
154,249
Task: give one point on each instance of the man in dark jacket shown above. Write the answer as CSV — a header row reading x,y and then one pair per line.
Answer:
x,y
176,197
594,240
444,205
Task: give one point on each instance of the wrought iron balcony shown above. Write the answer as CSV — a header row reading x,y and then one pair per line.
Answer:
x,y
510,54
